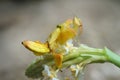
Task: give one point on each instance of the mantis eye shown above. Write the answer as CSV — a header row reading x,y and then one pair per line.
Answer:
x,y
58,26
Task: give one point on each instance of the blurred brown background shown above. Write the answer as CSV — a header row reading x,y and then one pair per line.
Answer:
x,y
34,20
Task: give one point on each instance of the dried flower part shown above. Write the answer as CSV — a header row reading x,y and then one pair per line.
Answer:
x,y
58,60
75,69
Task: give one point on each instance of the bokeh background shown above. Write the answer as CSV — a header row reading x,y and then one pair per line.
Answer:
x,y
34,20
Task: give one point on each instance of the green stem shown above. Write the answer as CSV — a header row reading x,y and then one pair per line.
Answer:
x,y
72,61
113,57
83,54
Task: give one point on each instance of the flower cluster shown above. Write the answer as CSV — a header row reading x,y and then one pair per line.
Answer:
x,y
59,52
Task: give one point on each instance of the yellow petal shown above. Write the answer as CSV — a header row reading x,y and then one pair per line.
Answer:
x,y
77,24
53,36
36,47
67,22
66,34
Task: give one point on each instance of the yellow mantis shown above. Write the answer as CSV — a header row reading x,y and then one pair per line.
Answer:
x,y
57,39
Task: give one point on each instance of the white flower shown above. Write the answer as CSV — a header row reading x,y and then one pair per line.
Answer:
x,y
49,73
46,71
